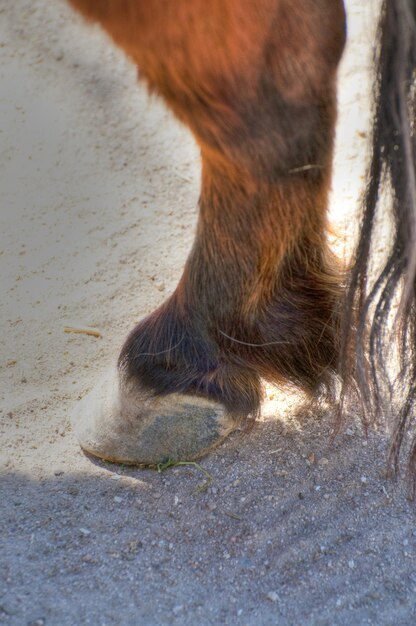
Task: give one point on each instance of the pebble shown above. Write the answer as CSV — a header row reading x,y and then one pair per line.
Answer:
x,y
272,596
351,564
177,609
118,499
87,558
85,532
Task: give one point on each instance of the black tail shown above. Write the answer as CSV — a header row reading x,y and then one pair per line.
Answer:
x,y
379,342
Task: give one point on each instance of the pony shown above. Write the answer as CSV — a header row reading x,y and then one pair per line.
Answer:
x,y
262,296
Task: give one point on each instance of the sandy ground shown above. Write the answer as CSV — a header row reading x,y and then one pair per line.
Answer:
x,y
98,193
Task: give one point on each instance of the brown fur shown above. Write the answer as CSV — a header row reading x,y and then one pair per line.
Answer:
x,y
259,296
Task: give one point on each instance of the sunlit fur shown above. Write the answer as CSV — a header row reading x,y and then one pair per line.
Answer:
x,y
261,295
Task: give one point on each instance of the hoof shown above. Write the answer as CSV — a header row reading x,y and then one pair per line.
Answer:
x,y
121,423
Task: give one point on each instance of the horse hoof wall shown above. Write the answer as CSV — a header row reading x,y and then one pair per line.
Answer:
x,y
123,424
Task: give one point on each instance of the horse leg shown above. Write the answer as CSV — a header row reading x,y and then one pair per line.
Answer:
x,y
259,295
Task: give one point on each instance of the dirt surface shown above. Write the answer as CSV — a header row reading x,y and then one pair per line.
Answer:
x,y
98,194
